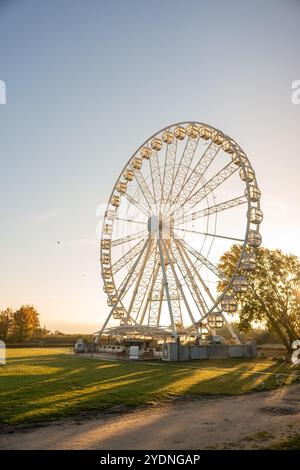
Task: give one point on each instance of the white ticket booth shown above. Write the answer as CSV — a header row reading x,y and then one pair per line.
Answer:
x,y
2,353
133,352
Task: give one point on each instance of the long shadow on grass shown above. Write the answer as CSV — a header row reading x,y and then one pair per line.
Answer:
x,y
230,381
97,385
83,384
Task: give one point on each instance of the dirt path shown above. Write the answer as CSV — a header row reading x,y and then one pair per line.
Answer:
x,y
248,421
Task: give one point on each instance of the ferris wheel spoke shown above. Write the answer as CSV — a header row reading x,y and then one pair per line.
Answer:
x,y
136,203
175,297
199,257
169,170
132,273
207,311
189,280
148,196
237,201
209,234
190,269
122,290
165,282
212,299
129,256
183,167
143,281
156,301
156,178
129,238
210,186
156,296
178,284
149,295
203,284
197,174
132,221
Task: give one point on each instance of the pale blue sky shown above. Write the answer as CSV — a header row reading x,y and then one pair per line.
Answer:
x,y
88,81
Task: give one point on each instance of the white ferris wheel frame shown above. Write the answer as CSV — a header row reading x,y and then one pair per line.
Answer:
x,y
139,256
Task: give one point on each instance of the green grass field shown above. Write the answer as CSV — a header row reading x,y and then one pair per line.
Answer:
x,y
45,384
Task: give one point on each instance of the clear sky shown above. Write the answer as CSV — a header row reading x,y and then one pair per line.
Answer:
x,y
87,81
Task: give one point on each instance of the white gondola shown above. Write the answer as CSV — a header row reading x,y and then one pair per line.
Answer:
x,y
255,215
137,163
110,215
105,244
238,157
118,312
254,193
192,131
111,301
146,153
227,147
115,200
107,274
247,174
239,284
179,132
105,259
121,187
168,137
248,262
215,320
217,138
109,287
254,238
128,175
156,144
107,229
205,132
229,303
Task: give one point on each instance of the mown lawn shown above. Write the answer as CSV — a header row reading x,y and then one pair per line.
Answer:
x,y
45,384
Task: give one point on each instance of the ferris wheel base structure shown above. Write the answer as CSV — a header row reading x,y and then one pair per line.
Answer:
x,y
185,197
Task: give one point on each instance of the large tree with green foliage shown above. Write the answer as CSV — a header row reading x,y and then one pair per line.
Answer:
x,y
25,323
273,295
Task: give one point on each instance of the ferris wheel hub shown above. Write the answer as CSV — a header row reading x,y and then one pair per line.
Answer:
x,y
159,227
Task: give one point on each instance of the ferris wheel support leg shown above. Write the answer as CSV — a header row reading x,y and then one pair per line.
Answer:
x,y
120,294
178,284
165,281
139,279
192,285
154,277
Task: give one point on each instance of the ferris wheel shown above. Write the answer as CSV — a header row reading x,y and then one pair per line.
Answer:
x,y
185,196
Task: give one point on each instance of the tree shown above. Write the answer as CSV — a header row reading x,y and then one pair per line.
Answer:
x,y
6,321
25,323
273,295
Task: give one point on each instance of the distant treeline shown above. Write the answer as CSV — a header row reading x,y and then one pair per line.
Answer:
x,y
22,327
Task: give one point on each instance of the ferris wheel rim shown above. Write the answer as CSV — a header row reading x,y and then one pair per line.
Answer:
x,y
243,164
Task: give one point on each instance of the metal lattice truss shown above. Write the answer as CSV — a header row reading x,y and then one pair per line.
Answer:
x,y
181,201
